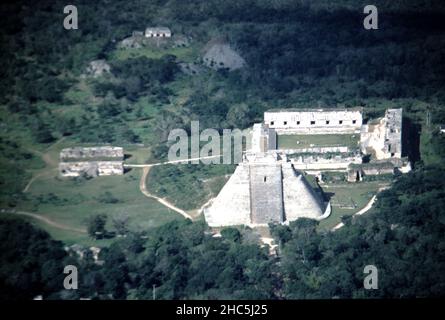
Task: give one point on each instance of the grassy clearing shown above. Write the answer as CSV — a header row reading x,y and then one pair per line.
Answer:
x,y
187,54
347,199
71,202
315,140
188,186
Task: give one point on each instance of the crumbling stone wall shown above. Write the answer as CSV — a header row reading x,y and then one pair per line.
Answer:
x,y
92,152
383,139
91,168
92,162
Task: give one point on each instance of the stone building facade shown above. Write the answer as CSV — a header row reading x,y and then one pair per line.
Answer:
x,y
92,162
263,138
383,137
315,121
158,32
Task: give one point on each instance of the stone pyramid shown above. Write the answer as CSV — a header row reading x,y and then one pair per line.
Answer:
x,y
263,190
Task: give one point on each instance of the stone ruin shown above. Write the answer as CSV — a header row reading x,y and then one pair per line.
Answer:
x,y
220,55
380,138
92,153
138,39
383,137
315,121
91,162
265,188
97,68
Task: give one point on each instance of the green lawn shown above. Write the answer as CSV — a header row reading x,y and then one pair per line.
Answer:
x,y
187,54
317,140
345,195
68,202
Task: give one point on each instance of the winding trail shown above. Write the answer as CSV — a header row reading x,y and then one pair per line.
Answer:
x,y
50,163
34,178
143,188
148,165
45,220
364,209
143,182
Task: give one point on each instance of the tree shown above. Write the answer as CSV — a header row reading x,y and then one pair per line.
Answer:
x,y
96,226
231,234
120,223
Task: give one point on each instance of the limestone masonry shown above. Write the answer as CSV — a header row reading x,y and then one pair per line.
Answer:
x,y
91,162
267,187
314,121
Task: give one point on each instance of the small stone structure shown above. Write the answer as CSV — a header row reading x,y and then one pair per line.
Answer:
x,y
97,68
323,161
357,171
133,42
158,32
91,162
314,121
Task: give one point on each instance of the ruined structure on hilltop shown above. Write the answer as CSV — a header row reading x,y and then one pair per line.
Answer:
x,y
158,32
92,162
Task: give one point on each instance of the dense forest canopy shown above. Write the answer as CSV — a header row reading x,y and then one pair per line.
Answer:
x,y
298,53
403,238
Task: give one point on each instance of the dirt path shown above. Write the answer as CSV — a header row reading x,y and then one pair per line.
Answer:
x,y
143,188
46,220
34,178
364,209
148,165
49,162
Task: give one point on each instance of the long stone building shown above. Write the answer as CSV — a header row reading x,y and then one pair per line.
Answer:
x,y
91,161
267,187
314,121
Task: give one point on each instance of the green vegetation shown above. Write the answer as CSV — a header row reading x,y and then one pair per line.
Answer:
x,y
298,54
32,263
71,202
188,186
432,147
403,238
346,199
285,141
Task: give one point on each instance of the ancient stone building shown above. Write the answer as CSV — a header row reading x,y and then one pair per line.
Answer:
x,y
97,68
92,162
315,121
357,171
92,152
265,189
158,32
91,168
263,138
383,137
